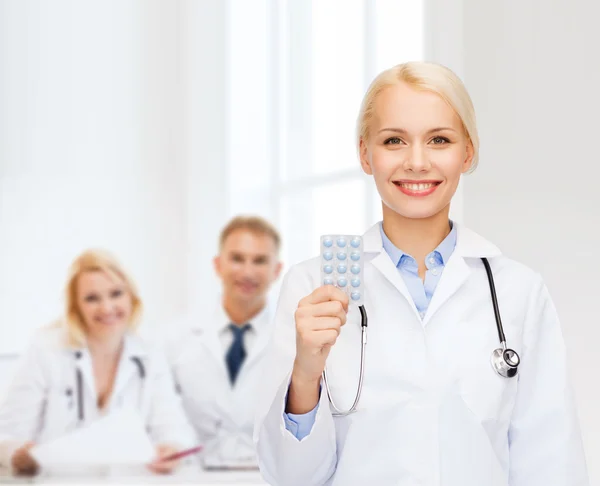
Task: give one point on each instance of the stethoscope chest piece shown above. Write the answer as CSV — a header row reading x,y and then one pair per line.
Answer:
x,y
505,362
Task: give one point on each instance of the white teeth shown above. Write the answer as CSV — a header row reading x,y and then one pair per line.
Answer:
x,y
417,187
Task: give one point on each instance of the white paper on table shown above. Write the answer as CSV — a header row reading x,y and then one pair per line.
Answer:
x,y
119,438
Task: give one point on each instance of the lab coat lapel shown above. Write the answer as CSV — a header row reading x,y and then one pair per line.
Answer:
x,y
262,326
83,363
128,369
455,274
207,330
373,248
469,245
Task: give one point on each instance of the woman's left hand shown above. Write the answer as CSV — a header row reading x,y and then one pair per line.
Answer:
x,y
159,465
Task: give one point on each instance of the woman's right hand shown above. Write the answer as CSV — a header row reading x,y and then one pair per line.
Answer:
x,y
23,462
319,319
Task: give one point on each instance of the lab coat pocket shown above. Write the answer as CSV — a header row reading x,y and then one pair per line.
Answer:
x,y
467,452
489,396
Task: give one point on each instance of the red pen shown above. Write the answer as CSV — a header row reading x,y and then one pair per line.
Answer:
x,y
181,454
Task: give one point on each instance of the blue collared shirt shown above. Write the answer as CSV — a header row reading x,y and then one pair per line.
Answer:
x,y
420,291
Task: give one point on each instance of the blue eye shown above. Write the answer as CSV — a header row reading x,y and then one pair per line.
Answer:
x,y
440,140
393,141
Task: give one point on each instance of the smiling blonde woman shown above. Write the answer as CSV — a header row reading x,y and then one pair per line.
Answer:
x,y
433,410
87,365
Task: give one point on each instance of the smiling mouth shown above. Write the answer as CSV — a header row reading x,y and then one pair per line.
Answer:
x,y
417,188
247,286
108,320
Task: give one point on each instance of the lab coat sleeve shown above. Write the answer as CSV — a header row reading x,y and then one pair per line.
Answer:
x,y
300,425
283,459
22,406
544,436
167,421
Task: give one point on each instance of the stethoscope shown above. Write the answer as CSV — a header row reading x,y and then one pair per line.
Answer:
x,y
79,383
505,360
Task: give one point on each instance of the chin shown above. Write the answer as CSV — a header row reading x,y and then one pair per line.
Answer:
x,y
118,327
415,213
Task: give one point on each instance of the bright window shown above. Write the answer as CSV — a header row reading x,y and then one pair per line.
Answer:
x,y
299,71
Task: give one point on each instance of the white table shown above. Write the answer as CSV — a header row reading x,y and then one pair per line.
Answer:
x,y
185,476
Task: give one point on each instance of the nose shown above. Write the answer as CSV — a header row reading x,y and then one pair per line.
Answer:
x,y
105,306
248,270
417,160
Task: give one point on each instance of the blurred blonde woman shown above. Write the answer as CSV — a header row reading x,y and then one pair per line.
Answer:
x,y
88,364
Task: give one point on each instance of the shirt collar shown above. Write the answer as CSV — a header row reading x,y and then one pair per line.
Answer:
x,y
444,249
133,346
257,323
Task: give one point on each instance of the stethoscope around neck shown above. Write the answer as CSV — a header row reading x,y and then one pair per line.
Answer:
x,y
79,383
505,361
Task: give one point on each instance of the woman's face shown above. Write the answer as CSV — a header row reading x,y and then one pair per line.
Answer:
x,y
416,152
105,304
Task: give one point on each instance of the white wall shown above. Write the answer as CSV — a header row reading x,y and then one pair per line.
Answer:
x,y
533,71
111,135
203,64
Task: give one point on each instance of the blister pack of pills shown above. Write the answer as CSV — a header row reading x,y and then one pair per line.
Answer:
x,y
342,265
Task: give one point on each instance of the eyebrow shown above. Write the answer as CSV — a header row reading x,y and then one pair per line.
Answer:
x,y
402,131
245,255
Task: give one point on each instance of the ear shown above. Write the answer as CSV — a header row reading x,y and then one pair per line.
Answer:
x,y
364,157
278,270
469,159
217,265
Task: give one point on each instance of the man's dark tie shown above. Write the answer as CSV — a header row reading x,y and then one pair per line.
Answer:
x,y
236,353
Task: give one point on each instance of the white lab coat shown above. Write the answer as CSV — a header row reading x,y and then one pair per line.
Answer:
x,y
41,403
433,411
222,415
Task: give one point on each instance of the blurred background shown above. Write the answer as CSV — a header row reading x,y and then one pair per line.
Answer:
x,y
141,126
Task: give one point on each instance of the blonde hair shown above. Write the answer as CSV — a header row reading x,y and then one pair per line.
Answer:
x,y
255,224
425,76
94,261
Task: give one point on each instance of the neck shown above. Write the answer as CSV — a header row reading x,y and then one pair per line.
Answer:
x,y
106,348
240,312
416,237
